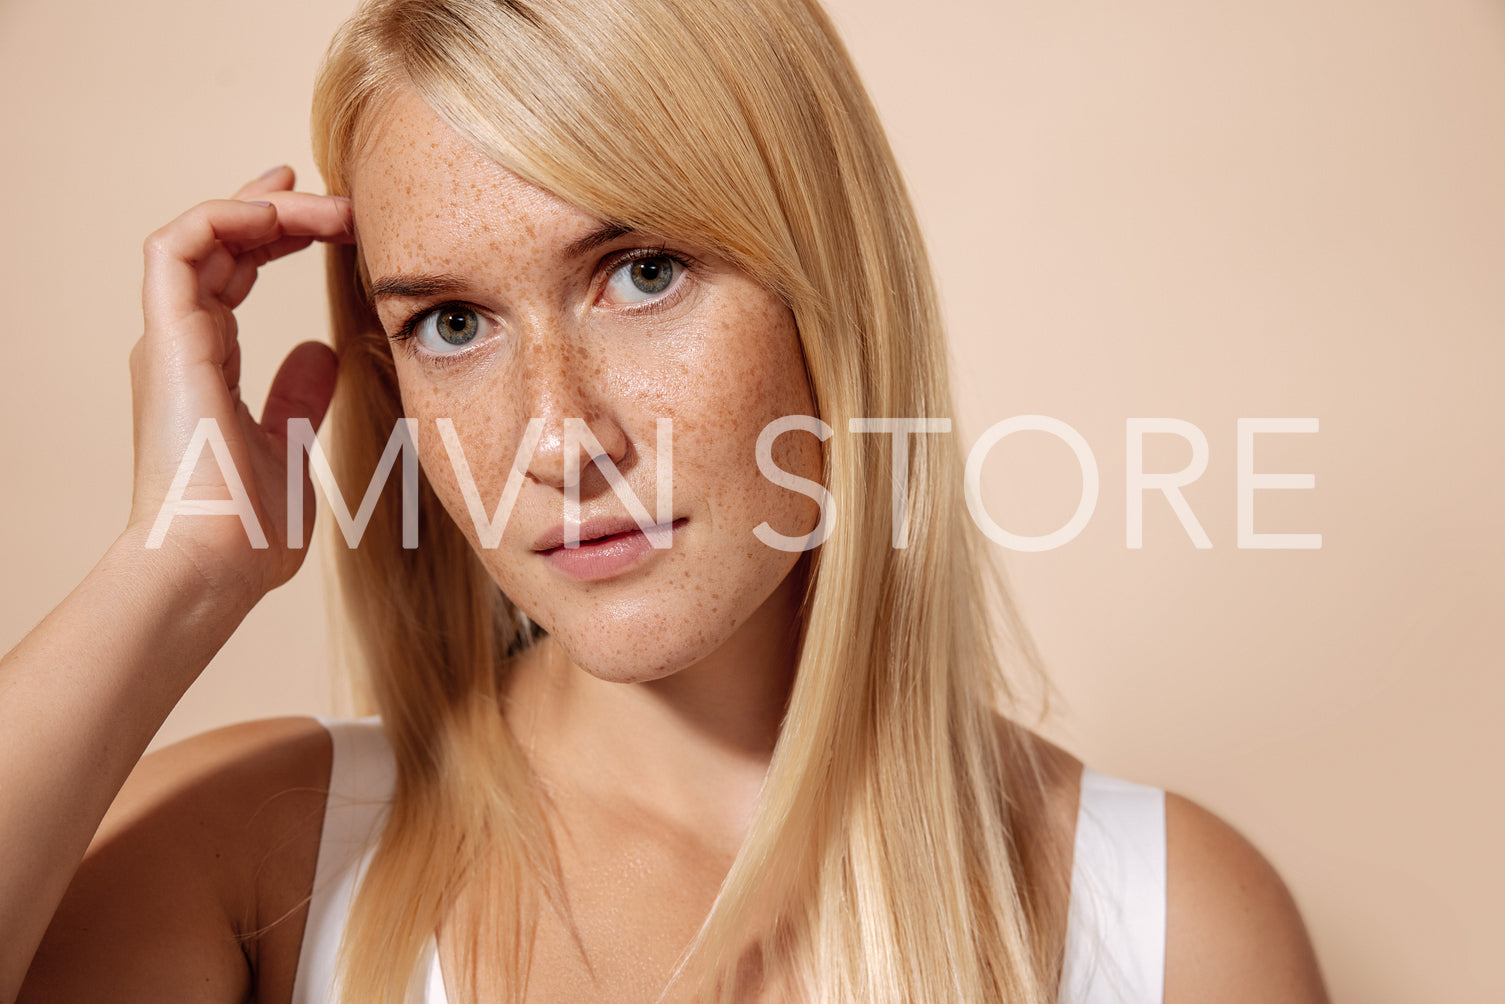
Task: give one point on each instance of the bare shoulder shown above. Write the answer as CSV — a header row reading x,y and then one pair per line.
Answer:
x,y
195,884
1233,932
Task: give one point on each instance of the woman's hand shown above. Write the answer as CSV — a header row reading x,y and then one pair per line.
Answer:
x,y
186,368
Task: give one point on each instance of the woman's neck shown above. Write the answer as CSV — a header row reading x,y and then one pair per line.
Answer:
x,y
691,747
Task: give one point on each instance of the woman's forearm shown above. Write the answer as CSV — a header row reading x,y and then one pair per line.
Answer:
x,y
80,698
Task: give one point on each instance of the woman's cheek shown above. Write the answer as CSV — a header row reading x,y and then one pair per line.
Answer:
x,y
487,452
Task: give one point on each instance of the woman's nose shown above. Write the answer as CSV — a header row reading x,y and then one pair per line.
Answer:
x,y
579,426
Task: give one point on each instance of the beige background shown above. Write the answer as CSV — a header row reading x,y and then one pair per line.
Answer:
x,y
1189,210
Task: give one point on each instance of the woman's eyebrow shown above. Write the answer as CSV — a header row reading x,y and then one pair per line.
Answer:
x,y
442,283
415,286
601,235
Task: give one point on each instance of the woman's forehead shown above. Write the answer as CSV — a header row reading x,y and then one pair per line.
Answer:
x,y
420,189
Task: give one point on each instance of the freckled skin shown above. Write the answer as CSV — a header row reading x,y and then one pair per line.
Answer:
x,y
720,357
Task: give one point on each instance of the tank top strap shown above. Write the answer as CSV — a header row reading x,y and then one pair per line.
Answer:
x,y
362,777
1115,936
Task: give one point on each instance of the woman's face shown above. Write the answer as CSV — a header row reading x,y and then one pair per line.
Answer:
x,y
511,306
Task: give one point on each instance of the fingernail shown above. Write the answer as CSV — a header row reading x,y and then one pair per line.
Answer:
x,y
271,171
258,202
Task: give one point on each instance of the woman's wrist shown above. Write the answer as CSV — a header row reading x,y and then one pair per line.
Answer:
x,y
203,587
167,611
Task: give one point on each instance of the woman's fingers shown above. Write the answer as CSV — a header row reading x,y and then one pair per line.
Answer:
x,y
203,264
175,253
242,276
182,255
302,219
278,179
302,214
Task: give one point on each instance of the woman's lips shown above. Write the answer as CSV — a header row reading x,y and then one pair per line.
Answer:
x,y
601,555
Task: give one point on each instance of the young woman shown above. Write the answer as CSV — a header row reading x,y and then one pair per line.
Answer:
x,y
641,275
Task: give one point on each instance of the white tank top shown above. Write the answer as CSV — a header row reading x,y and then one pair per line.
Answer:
x,y
1115,935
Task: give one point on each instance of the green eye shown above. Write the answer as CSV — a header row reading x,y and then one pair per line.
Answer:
x,y
651,275
642,278
449,327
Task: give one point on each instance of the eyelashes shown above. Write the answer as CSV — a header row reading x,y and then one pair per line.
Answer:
x,y
637,281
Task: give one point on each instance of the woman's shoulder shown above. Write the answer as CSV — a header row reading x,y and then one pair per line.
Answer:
x,y
1233,931
196,882
231,785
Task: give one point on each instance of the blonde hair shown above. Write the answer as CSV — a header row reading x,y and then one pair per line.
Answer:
x,y
897,850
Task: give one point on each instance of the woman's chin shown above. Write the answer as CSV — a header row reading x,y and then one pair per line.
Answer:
x,y
652,633
638,653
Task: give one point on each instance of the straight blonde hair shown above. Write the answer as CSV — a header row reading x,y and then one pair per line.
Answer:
x,y
898,849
